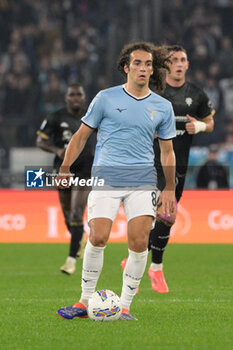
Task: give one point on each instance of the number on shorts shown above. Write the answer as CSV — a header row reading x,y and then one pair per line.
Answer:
x,y
153,195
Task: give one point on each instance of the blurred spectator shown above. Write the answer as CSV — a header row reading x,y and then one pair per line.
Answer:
x,y
212,175
215,95
228,144
225,56
53,97
214,92
19,101
214,71
229,125
199,78
227,89
44,69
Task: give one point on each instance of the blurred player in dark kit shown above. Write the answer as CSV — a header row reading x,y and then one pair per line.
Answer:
x,y
53,136
194,114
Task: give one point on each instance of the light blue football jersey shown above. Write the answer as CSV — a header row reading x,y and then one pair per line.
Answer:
x,y
124,154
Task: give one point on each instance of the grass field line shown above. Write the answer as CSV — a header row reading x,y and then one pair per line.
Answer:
x,y
185,301
139,300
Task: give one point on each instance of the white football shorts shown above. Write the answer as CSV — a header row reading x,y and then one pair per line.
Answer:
x,y
106,203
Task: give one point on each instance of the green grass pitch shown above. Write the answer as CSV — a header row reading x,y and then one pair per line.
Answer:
x,y
197,313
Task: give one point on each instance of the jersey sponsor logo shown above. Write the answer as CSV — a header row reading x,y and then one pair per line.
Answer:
x,y
121,110
189,101
180,132
181,118
64,125
151,113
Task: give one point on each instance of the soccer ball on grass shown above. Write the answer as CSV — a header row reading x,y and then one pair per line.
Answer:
x,y
104,305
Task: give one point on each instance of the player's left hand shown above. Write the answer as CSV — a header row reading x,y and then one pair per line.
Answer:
x,y
166,203
62,180
190,126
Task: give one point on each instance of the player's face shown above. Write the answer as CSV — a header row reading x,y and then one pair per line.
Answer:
x,y
75,98
179,65
140,67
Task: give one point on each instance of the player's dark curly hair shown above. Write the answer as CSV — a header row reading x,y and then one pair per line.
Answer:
x,y
176,48
160,62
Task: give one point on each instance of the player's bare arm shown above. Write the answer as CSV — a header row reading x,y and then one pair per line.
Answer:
x,y
194,126
168,161
47,146
73,150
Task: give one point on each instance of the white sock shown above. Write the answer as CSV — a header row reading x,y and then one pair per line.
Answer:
x,y
156,267
92,265
132,275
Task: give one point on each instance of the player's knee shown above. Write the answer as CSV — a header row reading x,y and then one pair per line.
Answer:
x,y
98,236
139,243
97,239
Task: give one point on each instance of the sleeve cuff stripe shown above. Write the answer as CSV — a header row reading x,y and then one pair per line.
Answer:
x,y
91,127
42,135
209,116
171,138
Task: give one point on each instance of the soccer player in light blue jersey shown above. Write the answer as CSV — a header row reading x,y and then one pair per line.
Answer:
x,y
127,118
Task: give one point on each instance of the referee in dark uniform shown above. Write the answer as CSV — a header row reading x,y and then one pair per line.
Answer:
x,y
53,136
194,114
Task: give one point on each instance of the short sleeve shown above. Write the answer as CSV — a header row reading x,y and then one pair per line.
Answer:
x,y
167,129
94,113
47,128
205,107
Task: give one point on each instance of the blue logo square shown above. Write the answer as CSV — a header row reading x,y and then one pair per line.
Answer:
x,y
35,178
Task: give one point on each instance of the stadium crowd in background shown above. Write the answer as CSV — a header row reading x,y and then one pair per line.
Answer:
x,y
45,47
